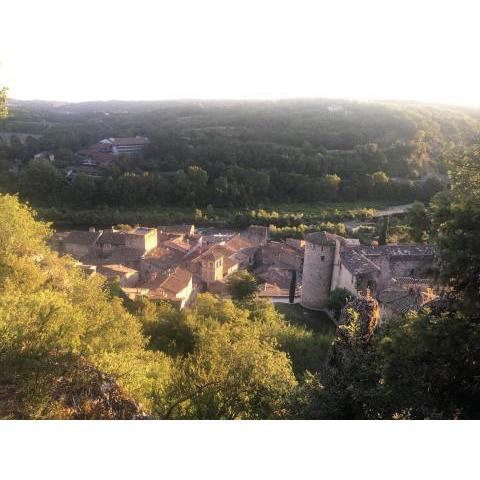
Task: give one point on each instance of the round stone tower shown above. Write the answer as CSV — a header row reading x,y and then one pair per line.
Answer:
x,y
320,252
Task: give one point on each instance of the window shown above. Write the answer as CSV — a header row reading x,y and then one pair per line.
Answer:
x,y
323,258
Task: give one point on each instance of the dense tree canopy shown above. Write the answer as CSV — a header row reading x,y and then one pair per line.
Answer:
x,y
240,154
456,217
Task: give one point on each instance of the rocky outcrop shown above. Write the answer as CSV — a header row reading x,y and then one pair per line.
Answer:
x,y
86,393
355,330
365,311
78,391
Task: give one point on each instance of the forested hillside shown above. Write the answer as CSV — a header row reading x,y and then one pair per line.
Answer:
x,y
239,154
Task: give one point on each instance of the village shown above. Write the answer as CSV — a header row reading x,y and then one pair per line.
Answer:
x,y
177,262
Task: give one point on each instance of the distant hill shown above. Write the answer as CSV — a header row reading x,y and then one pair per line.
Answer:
x,y
252,152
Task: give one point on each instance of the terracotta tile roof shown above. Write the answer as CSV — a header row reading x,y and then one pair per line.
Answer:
x,y
356,263
410,281
176,282
403,300
115,269
169,285
157,252
351,242
213,253
164,262
399,249
80,237
277,276
112,238
124,255
177,229
278,248
177,244
238,242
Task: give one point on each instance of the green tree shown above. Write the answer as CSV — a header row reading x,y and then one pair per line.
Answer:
x,y
384,229
293,286
41,181
337,300
242,286
227,365
380,184
419,222
347,388
430,366
52,317
456,217
331,185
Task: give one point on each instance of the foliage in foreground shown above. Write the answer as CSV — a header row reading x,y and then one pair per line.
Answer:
x,y
217,360
226,360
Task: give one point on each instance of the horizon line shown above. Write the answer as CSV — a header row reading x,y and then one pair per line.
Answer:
x,y
255,99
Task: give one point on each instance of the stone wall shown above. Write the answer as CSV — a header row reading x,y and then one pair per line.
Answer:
x,y
345,279
317,275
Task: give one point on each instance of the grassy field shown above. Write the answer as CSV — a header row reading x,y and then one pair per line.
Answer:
x,y
319,322
221,217
320,208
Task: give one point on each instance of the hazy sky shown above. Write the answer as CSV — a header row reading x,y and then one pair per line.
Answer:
x,y
139,49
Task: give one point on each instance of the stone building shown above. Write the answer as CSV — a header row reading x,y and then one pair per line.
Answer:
x,y
321,251
80,243
216,262
212,266
333,262
175,286
257,234
142,239
110,242
128,277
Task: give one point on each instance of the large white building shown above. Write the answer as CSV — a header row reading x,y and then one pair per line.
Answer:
x,y
125,145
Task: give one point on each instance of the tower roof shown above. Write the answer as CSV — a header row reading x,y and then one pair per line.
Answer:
x,y
321,238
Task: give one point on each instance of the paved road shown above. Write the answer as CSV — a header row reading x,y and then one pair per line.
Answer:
x,y
397,209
